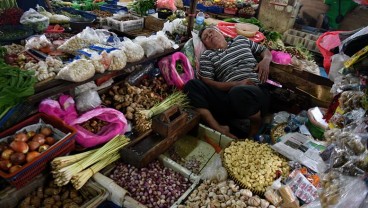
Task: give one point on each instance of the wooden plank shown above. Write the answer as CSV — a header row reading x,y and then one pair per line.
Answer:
x,y
307,76
60,86
303,83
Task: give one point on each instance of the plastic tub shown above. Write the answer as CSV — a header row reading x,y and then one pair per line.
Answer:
x,y
164,13
79,24
65,136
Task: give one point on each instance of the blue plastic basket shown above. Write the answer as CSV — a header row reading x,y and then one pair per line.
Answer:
x,y
113,8
215,9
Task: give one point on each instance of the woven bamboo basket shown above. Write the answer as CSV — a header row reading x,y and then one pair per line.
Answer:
x,y
233,177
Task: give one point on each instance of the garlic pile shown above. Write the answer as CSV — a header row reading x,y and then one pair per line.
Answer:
x,y
224,194
45,69
255,165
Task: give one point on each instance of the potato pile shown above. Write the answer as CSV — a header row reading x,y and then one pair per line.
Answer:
x,y
53,196
224,194
253,164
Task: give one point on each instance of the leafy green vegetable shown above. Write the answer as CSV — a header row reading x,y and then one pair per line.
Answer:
x,y
141,6
15,85
272,35
251,20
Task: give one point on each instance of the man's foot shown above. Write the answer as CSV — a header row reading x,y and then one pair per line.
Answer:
x,y
226,131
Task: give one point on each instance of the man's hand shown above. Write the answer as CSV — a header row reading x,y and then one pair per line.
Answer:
x,y
263,68
245,82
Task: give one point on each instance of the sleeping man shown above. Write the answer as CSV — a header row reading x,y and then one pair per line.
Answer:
x,y
229,88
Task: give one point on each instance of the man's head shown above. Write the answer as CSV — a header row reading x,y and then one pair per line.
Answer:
x,y
212,38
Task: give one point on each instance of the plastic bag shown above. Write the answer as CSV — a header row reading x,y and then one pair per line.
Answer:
x,y
325,43
116,125
337,64
37,42
340,191
215,171
136,77
280,57
149,45
77,71
199,48
37,21
163,40
63,108
344,83
166,4
82,40
59,19
42,10
118,60
350,100
168,69
88,100
85,87
97,63
133,51
188,50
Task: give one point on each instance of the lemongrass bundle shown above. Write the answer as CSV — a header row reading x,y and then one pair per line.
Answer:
x,y
63,176
81,178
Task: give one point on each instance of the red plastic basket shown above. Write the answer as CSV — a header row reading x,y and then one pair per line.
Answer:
x,y
32,169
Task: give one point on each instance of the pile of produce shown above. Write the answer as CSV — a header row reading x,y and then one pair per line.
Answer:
x,y
143,118
254,165
24,147
154,185
102,14
94,125
129,99
80,167
51,195
193,164
19,59
15,85
224,194
10,16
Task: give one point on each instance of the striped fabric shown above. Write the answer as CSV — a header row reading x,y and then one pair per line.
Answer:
x,y
235,63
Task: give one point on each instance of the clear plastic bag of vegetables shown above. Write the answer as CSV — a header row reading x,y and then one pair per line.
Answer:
x,y
77,71
134,52
82,40
149,45
339,191
37,21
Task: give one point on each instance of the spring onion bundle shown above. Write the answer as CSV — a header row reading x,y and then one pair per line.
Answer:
x,y
177,98
80,167
143,118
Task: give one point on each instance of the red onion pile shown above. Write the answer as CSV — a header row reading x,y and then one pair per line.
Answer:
x,y
154,186
11,16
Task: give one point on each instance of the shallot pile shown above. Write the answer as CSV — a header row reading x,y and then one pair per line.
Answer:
x,y
154,186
